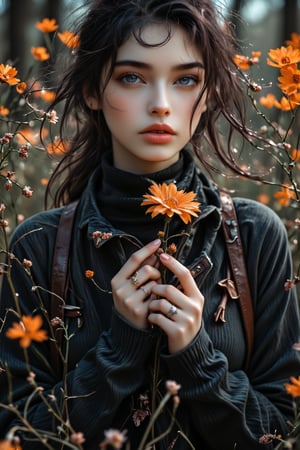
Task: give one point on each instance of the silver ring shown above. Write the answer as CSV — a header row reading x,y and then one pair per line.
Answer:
x,y
172,311
134,279
144,290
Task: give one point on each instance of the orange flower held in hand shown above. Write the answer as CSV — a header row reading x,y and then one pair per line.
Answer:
x,y
27,330
167,200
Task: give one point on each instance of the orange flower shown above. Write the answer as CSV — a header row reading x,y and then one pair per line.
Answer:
x,y
295,154
268,101
285,104
295,40
283,56
7,74
47,95
40,53
7,445
89,273
242,61
3,111
57,147
245,62
27,330
263,198
294,388
290,79
20,88
47,25
30,135
69,38
285,195
167,200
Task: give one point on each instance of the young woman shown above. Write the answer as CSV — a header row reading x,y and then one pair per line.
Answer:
x,y
146,86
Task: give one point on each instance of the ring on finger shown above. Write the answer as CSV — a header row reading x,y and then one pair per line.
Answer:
x,y
134,278
172,311
144,290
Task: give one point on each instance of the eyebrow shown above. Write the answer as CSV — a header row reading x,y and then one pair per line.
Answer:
x,y
142,65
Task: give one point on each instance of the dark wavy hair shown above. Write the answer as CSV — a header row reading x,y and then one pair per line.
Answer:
x,y
103,29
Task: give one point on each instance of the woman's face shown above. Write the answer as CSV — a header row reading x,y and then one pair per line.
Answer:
x,y
149,99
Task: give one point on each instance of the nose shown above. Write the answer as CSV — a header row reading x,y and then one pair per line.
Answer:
x,y
159,104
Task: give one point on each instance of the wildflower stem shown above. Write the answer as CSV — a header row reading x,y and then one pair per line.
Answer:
x,y
154,416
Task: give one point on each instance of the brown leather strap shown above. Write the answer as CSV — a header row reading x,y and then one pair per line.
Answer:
x,y
59,279
239,270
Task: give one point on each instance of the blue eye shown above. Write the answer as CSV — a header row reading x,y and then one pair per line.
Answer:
x,y
187,81
130,78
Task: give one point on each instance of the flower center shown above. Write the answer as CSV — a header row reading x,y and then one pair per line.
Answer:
x,y
296,78
172,202
286,60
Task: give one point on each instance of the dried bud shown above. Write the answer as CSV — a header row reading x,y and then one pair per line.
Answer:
x,y
89,273
27,263
77,438
56,322
27,191
172,248
4,223
172,387
23,151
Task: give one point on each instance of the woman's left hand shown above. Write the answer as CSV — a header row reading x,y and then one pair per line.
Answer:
x,y
177,312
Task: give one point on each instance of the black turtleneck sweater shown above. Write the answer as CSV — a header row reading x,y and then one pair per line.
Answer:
x,y
120,194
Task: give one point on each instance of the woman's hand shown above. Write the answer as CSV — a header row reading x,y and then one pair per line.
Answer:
x,y
132,285
177,312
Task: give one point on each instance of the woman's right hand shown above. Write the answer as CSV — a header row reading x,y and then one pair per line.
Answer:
x,y
132,285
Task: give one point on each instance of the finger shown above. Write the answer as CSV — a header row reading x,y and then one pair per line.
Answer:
x,y
143,275
181,272
137,259
163,306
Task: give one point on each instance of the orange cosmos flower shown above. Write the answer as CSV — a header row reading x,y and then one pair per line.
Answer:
x,y
48,96
57,147
294,388
285,195
31,136
167,200
285,104
27,330
40,53
283,56
8,74
295,154
47,25
69,38
294,41
290,79
3,111
245,62
7,445
20,88
268,101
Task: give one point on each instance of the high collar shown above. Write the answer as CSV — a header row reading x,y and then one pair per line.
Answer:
x,y
111,201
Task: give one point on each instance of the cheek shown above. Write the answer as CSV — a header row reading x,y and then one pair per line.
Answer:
x,y
116,102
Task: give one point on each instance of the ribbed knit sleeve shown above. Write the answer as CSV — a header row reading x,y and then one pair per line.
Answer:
x,y
233,409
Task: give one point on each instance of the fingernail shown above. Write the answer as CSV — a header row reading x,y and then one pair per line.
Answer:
x,y
164,256
156,242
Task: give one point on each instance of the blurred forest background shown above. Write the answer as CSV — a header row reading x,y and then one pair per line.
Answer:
x,y
260,25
